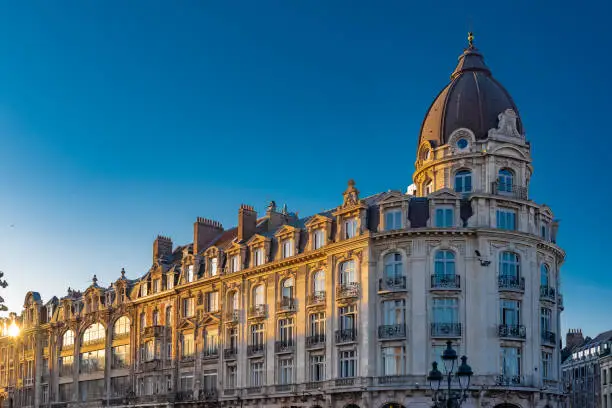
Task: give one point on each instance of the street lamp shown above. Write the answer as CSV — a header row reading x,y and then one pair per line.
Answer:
x,y
464,374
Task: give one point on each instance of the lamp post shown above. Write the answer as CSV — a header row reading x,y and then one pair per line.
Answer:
x,y
450,399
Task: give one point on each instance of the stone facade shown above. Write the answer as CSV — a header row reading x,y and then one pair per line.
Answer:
x,y
345,308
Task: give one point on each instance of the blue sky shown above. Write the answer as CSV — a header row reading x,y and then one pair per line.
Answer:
x,y
122,120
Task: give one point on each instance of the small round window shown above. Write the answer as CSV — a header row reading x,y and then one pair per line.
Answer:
x,y
462,143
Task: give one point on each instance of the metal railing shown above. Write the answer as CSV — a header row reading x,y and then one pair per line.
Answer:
x,y
258,311
211,352
287,305
445,281
393,379
392,331
254,390
316,298
229,391
509,380
315,340
549,337
509,189
547,293
392,283
208,394
445,329
313,385
255,349
184,395
513,331
508,282
232,316
347,290
284,387
346,335
344,382
230,353
284,346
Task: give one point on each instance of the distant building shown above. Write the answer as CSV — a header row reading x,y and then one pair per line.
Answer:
x,y
347,308
587,369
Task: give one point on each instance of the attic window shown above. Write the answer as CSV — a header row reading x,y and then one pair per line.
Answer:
x,y
170,281
212,266
190,273
234,263
318,237
350,228
258,257
143,290
288,248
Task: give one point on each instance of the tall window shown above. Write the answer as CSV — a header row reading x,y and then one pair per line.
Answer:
x,y
288,248
155,318
65,366
258,295
348,363
231,374
506,219
444,264
212,266
545,320
232,338
318,237
190,273
143,320
445,217
186,383
510,361
393,266
463,181
188,307
445,310
317,367
68,339
143,289
510,312
317,324
319,282
170,281
187,345
92,361
234,263
233,301
209,380
257,374
258,257
257,334
350,228
212,302
168,316
428,188
544,276
393,219
347,272
393,312
121,357
286,329
287,289
547,360
393,360
347,317
545,231
211,341
509,265
157,286
285,370
94,334
505,180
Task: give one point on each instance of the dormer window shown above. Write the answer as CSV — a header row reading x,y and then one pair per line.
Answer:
x,y
212,266
143,290
545,231
258,257
350,228
318,238
445,217
288,248
234,263
393,219
190,273
157,285
170,281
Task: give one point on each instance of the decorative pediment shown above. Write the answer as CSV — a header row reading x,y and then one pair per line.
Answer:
x,y
187,324
317,221
392,197
445,194
546,211
234,248
209,319
351,195
257,239
286,231
212,251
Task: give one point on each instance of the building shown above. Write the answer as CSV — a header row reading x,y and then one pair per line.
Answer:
x,y
586,370
344,308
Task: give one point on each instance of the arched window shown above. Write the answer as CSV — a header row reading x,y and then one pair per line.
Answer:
x,y
463,181
444,263
347,272
258,295
143,320
319,282
122,326
505,181
94,334
509,265
393,266
544,276
68,339
428,187
168,315
287,289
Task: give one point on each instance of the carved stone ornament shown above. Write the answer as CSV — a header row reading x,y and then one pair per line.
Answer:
x,y
506,125
351,195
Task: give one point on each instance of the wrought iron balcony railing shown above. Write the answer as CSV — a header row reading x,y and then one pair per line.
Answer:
x,y
230,353
315,340
509,189
445,281
392,331
255,349
287,305
508,282
284,346
233,316
284,387
258,311
186,395
512,331
509,380
209,394
254,390
347,290
548,337
210,353
153,331
313,385
346,335
445,330
316,298
547,293
393,379
392,283
345,382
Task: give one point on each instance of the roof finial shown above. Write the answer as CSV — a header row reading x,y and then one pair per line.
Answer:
x,y
470,39
95,280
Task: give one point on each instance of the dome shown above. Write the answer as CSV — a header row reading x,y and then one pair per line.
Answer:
x,y
473,99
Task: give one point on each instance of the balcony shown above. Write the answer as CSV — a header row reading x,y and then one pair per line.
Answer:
x,y
230,353
513,283
509,190
156,331
315,340
512,331
509,380
255,349
284,388
229,391
392,283
445,330
91,342
287,305
346,335
65,371
446,281
392,331
314,385
118,364
549,337
150,365
258,311
284,346
210,353
208,394
347,290
232,316
254,390
344,382
317,298
547,293
119,336
184,395
393,379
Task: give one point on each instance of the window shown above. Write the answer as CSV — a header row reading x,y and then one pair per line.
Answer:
x,y
505,180
288,248
65,366
393,360
545,320
258,296
232,338
170,281
287,289
393,266
190,273
317,324
68,339
186,383
445,310
428,188
319,282
157,285
547,366
506,219
234,263
258,257
92,361
147,351
211,341
444,265
187,345
94,334
463,181
212,302
348,364
143,289
462,143
155,318
445,217
393,312
510,362
545,231
188,307
91,390
231,376
350,228
209,380
286,330
347,273
285,370
233,302
509,265
120,386
143,320
257,374
168,316
348,316
212,266
318,237
544,276
317,367
65,392
393,219
120,357
510,313
257,334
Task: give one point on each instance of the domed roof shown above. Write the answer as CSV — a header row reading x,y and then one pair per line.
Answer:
x,y
473,99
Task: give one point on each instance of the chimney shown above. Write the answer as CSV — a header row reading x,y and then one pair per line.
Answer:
x,y
574,338
247,222
204,231
162,248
